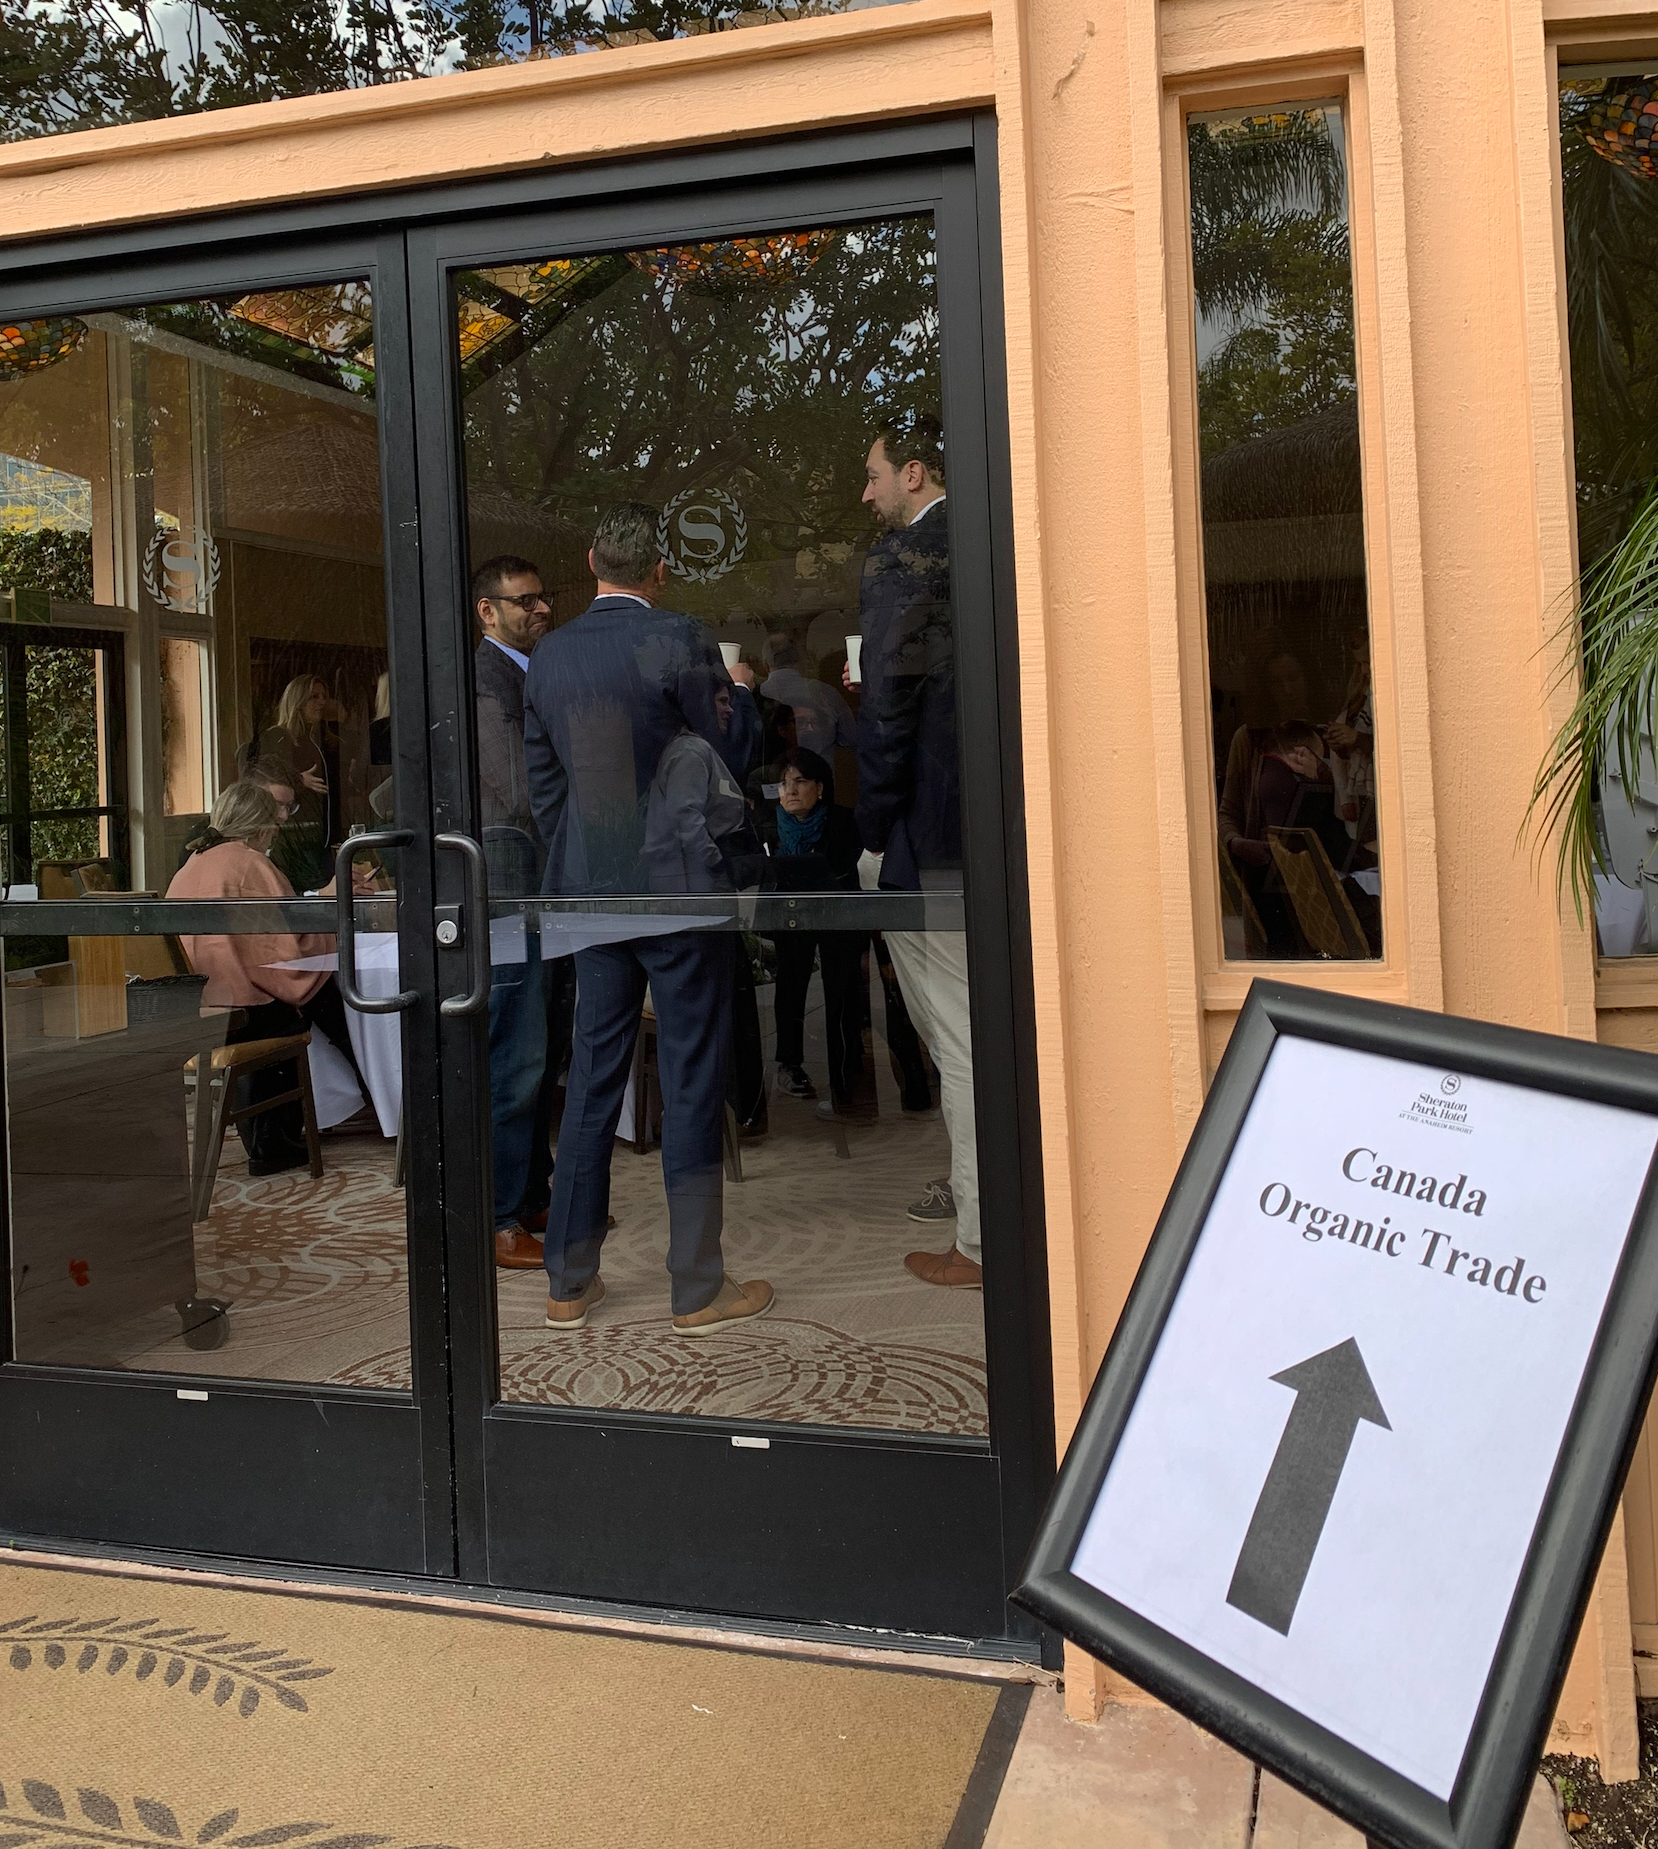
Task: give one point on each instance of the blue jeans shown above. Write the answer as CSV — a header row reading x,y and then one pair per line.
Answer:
x,y
517,1061
690,976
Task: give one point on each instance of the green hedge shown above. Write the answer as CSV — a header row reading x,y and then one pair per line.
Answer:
x,y
48,560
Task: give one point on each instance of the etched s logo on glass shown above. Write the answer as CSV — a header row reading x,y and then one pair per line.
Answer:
x,y
703,534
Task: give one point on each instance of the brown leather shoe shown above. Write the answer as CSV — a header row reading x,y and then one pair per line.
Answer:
x,y
517,1250
571,1312
953,1269
735,1303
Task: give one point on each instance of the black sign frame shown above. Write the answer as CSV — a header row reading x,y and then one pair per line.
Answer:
x,y
1529,1665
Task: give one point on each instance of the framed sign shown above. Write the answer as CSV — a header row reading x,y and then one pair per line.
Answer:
x,y
1345,1476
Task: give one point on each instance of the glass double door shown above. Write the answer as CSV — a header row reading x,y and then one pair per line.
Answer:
x,y
507,1006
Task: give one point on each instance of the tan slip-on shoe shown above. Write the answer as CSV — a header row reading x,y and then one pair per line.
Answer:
x,y
735,1303
954,1270
571,1312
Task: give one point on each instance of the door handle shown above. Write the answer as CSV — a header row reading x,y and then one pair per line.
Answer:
x,y
345,923
477,925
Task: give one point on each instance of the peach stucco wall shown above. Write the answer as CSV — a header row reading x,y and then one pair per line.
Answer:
x,y
1468,487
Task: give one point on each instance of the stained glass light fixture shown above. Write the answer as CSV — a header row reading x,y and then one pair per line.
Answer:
x,y
335,318
492,304
332,319
32,346
785,256
1621,126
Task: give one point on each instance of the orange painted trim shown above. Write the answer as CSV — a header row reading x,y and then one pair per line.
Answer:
x,y
921,57
1618,14
1204,36
1626,982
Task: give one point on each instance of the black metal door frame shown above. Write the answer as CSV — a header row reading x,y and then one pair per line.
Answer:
x,y
861,1508
854,1526
254,1468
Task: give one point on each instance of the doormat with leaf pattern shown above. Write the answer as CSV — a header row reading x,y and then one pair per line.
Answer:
x,y
144,1711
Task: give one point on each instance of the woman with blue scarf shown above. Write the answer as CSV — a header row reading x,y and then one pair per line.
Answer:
x,y
814,847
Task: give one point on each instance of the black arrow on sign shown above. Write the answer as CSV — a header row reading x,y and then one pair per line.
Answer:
x,y
1333,1393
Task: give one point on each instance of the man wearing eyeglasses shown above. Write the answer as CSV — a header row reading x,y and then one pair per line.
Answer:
x,y
513,613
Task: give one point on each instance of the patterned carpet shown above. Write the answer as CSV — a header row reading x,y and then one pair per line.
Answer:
x,y
316,1275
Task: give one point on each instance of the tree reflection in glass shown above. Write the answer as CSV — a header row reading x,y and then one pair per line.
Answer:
x,y
1283,536
87,66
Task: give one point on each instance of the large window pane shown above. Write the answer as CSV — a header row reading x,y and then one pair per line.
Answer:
x,y
1283,536
1611,224
779,1088
190,548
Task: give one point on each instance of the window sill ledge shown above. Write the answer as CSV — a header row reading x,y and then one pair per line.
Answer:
x,y
1626,982
1225,989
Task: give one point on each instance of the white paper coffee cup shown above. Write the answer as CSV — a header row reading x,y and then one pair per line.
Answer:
x,y
733,653
854,654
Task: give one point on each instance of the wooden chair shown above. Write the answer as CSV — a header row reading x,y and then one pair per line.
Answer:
x,y
57,879
1235,902
150,959
1324,914
100,964
647,1100
224,1066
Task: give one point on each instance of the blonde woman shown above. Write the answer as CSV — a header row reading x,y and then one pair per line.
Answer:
x,y
302,848
251,974
379,751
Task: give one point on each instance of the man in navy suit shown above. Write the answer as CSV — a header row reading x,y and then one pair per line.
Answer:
x,y
528,1001
909,793
606,695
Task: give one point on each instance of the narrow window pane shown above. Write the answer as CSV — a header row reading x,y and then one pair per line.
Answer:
x,y
65,748
1283,536
1611,220
183,726
195,704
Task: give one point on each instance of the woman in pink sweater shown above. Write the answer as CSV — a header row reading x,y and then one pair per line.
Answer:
x,y
245,974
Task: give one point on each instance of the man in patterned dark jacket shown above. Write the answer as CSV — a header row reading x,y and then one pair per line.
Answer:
x,y
909,793
529,1001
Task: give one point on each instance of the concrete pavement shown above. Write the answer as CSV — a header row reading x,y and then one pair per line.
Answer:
x,y
1143,1778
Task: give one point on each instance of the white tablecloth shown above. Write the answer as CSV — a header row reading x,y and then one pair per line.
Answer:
x,y
377,1039
333,1084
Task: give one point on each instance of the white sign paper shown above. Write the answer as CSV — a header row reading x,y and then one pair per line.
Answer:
x,y
1349,1538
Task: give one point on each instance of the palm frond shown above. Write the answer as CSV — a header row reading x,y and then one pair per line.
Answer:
x,y
1616,624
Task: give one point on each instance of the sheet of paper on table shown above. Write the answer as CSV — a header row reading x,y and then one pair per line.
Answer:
x,y
562,935
377,1039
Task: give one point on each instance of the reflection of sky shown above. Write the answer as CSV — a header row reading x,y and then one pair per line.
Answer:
x,y
178,27
33,496
1213,331
185,30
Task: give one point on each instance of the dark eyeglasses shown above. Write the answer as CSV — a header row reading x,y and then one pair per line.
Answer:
x,y
529,605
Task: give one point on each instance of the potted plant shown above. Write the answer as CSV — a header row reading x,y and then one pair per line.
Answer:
x,y
1588,793
1602,756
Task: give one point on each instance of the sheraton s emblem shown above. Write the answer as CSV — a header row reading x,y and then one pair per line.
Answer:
x,y
702,534
181,568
